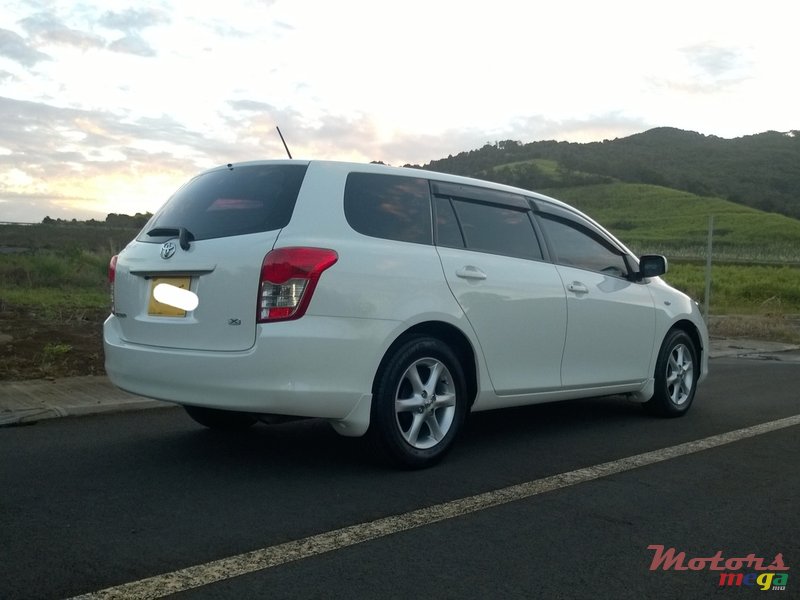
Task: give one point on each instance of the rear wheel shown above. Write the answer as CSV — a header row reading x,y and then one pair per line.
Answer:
x,y
227,420
419,402
676,375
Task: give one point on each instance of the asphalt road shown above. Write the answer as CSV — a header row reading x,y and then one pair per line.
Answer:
x,y
99,501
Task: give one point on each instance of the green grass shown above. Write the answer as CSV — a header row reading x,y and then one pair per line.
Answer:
x,y
57,304
60,270
67,237
65,270
55,285
658,220
741,289
544,165
653,219
50,269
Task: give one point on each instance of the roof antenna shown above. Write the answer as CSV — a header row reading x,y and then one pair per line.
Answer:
x,y
284,142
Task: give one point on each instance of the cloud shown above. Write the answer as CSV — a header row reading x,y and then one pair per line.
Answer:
x,y
134,19
713,61
14,46
334,136
58,160
708,70
48,29
358,137
250,105
74,159
132,44
595,127
47,139
324,136
132,22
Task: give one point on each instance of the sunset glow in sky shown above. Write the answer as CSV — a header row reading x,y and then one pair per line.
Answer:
x,y
107,108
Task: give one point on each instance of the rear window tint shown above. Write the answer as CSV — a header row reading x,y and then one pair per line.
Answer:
x,y
497,229
228,202
448,233
389,206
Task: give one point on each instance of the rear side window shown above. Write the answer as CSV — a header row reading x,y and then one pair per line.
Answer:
x,y
233,201
484,220
448,231
497,229
389,206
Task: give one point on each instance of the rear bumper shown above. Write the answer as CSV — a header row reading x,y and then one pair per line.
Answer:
x,y
312,367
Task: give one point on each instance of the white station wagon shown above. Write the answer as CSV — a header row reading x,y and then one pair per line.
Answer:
x,y
390,302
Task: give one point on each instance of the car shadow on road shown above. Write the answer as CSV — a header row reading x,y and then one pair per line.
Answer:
x,y
313,444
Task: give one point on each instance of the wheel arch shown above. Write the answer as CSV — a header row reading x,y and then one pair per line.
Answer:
x,y
691,330
448,334
670,397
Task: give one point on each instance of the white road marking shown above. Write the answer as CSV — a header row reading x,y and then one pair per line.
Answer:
x,y
265,558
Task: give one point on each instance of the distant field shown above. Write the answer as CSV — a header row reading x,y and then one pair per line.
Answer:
x,y
741,289
67,237
58,267
54,297
653,219
53,278
755,258
71,261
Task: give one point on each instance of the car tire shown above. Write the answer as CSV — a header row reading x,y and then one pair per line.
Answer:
x,y
419,402
677,370
225,420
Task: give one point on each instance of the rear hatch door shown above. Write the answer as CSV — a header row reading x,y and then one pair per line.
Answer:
x,y
210,239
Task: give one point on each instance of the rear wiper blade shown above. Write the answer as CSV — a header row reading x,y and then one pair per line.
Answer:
x,y
184,235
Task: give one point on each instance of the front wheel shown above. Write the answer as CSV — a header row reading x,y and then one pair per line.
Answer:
x,y
227,420
419,403
676,375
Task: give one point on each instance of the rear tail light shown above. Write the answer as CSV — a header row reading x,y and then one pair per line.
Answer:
x,y
288,279
112,275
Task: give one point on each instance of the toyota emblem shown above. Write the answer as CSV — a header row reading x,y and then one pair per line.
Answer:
x,y
167,250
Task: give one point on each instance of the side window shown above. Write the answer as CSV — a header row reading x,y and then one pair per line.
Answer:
x,y
497,229
577,246
389,206
448,233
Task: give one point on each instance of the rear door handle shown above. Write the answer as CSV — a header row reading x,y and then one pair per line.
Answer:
x,y
470,272
576,287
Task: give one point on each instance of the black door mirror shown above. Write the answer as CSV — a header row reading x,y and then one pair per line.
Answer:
x,y
652,265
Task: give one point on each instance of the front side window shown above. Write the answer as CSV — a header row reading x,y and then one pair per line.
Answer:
x,y
576,246
391,207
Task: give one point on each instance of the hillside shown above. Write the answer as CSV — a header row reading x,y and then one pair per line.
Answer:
x,y
652,218
761,171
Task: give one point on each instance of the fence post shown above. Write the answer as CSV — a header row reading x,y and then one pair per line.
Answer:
x,y
707,296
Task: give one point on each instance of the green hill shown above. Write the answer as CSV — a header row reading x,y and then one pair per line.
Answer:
x,y
655,219
644,189
761,171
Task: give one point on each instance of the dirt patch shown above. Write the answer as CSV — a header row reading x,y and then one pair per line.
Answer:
x,y
36,345
771,328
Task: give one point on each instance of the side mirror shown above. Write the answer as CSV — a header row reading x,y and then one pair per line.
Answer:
x,y
652,265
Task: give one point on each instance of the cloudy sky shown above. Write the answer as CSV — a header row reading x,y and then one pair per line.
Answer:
x,y
107,108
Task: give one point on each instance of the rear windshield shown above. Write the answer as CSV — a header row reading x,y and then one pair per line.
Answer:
x,y
228,202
